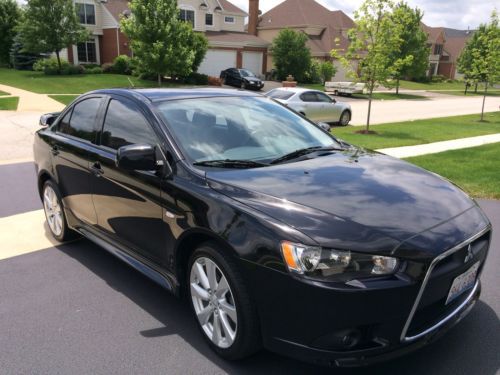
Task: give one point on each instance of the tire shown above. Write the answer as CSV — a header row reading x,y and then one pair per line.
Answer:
x,y
54,213
336,93
345,118
240,327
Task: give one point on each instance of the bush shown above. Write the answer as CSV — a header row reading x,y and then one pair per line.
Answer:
x,y
196,79
49,65
438,78
313,75
107,68
122,65
327,71
95,70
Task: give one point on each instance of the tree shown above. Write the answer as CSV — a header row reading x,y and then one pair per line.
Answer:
x,y
291,55
19,59
373,42
464,63
162,43
414,44
9,17
50,26
327,71
200,46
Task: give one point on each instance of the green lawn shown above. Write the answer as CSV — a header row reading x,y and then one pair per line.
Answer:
x,y
64,99
9,104
2,93
474,169
421,131
469,93
390,96
432,86
75,84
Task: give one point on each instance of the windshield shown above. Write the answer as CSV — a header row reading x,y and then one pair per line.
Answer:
x,y
255,129
246,73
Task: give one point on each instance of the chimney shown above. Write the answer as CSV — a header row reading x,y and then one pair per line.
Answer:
x,y
253,18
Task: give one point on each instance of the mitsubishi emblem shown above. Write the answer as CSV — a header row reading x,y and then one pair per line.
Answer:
x,y
469,255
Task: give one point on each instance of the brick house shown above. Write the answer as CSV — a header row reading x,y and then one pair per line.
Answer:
x,y
222,22
321,25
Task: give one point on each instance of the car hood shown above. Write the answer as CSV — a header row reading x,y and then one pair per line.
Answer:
x,y
353,199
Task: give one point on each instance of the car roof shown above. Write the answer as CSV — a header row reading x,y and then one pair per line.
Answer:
x,y
155,95
296,90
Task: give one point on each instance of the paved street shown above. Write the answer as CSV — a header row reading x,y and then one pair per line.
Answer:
x,y
74,309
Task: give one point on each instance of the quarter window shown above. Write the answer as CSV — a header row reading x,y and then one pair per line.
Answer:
x,y
125,125
187,15
87,52
80,122
85,13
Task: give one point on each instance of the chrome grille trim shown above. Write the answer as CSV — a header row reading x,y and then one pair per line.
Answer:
x,y
436,260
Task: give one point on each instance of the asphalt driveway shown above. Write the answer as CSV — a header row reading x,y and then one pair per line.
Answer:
x,y
75,309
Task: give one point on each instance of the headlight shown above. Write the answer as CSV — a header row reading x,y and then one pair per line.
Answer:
x,y
329,264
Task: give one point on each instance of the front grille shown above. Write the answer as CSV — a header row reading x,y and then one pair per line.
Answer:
x,y
432,308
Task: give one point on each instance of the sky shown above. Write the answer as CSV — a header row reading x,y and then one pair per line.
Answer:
x,y
457,14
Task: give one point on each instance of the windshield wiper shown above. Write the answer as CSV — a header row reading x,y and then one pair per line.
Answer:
x,y
304,151
228,163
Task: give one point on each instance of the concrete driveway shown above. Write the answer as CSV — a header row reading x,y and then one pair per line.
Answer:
x,y
74,309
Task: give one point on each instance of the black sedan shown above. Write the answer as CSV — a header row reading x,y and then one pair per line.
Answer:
x,y
278,235
242,78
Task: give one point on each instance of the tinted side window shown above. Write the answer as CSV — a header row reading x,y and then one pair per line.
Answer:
x,y
82,120
309,97
124,125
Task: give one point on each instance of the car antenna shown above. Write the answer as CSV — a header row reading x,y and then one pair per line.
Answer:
x,y
131,83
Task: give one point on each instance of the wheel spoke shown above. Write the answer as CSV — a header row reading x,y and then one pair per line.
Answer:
x,y
212,279
222,287
228,331
205,314
229,310
216,335
202,276
199,292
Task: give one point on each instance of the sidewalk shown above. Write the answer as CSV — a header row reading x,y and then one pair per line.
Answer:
x,y
31,102
434,148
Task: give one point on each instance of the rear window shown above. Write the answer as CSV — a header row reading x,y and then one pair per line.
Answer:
x,y
280,94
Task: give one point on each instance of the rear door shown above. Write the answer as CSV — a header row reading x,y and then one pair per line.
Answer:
x,y
330,111
313,109
128,203
74,136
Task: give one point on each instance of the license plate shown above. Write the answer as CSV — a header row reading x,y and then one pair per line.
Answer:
x,y
463,282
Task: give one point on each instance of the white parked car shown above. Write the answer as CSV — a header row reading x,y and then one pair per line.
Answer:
x,y
313,104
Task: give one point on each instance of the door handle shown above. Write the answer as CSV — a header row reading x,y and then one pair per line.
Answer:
x,y
55,150
97,169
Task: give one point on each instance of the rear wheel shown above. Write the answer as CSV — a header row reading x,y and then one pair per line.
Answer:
x,y
345,117
221,304
54,213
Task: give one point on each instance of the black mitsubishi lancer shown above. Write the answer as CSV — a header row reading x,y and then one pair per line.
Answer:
x,y
277,234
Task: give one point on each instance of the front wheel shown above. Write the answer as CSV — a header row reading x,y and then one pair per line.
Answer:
x,y
54,213
345,118
221,303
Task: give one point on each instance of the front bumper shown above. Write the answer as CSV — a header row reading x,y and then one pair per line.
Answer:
x,y
344,326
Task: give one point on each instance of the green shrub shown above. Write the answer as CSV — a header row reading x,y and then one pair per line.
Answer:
x,y
107,68
49,66
327,71
438,78
122,65
73,70
313,75
95,70
196,79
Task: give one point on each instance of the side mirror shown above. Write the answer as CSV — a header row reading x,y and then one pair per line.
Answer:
x,y
137,158
323,125
48,118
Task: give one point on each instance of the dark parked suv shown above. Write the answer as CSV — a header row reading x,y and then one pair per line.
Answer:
x,y
278,234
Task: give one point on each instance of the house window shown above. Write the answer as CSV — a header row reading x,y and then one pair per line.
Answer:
x,y
209,19
229,19
87,52
187,15
438,49
85,13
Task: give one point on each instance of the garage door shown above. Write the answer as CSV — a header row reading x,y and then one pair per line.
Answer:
x,y
253,61
216,61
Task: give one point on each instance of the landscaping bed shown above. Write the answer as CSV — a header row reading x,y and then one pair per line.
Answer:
x,y
421,131
476,169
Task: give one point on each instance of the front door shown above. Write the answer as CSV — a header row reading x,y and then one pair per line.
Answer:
x,y
128,203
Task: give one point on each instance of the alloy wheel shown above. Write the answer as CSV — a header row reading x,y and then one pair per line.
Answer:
x,y
213,302
53,211
345,118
